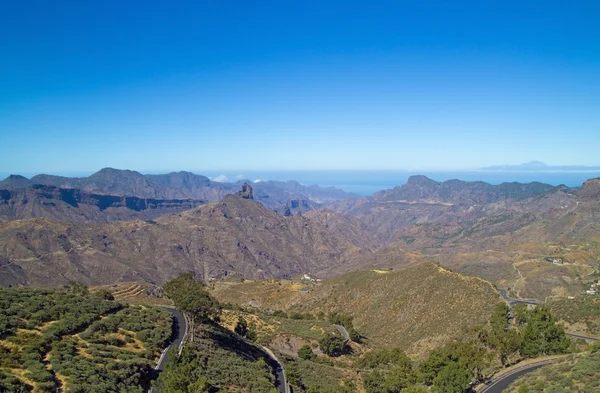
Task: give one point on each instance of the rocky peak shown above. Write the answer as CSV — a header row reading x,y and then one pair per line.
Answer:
x,y
421,180
15,181
246,192
590,189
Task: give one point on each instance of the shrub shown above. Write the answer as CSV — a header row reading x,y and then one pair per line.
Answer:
x,y
332,345
306,353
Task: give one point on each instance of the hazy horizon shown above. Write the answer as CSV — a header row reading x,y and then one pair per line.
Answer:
x,y
365,182
328,86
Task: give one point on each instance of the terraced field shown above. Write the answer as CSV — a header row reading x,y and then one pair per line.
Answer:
x,y
134,292
69,340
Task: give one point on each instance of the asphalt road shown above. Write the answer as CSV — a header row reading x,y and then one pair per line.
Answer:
x,y
499,385
583,337
513,301
179,332
280,382
343,332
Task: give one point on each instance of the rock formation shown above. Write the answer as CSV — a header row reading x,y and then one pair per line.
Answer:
x,y
246,192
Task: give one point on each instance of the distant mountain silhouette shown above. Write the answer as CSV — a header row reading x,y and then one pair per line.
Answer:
x,y
275,195
534,166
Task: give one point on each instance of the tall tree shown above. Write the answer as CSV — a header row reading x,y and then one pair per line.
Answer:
x,y
542,335
191,297
241,327
500,336
452,379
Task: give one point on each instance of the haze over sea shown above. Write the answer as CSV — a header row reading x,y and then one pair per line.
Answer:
x,y
367,182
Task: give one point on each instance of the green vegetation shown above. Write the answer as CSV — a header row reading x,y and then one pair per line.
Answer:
x,y
457,366
191,298
582,309
215,360
69,339
577,373
333,345
306,353
453,378
318,377
393,371
243,329
9,383
542,336
345,320
471,356
500,337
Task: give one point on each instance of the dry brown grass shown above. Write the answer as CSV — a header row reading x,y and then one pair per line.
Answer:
x,y
416,308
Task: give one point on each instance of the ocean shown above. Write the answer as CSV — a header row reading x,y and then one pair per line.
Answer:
x,y
369,182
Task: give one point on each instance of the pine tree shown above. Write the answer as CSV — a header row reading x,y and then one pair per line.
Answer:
x,y
542,335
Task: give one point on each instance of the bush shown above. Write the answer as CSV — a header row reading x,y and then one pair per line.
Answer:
x,y
306,353
333,345
452,379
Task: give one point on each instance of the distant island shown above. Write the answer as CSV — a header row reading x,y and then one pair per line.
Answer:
x,y
538,166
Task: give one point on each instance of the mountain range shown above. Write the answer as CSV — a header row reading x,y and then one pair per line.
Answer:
x,y
535,239
538,166
112,194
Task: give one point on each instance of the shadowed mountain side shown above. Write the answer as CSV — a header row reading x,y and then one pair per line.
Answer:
x,y
15,181
345,227
71,204
510,234
185,185
235,236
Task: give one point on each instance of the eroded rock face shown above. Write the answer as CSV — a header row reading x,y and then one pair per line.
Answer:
x,y
246,192
73,204
590,190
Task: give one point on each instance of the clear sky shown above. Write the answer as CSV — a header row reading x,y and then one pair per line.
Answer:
x,y
248,85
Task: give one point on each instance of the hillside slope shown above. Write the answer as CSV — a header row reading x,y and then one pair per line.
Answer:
x,y
72,204
234,236
416,308
275,195
509,233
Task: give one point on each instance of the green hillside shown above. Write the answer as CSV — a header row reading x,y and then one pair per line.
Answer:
x,y
69,340
417,308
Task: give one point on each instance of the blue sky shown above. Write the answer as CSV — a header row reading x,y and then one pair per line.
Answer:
x,y
282,85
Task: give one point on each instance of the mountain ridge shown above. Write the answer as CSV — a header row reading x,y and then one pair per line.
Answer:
x,y
234,236
184,185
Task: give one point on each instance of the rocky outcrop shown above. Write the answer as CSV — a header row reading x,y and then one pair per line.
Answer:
x,y
246,192
590,190
187,185
76,205
15,181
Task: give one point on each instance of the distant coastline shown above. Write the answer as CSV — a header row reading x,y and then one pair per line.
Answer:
x,y
367,182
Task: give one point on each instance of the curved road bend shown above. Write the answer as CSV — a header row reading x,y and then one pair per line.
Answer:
x,y
586,338
513,301
180,331
498,385
343,332
280,381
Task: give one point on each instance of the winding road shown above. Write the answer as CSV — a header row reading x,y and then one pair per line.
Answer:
x,y
498,384
343,332
512,301
180,327
280,381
